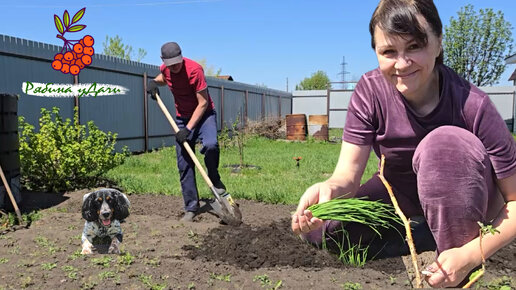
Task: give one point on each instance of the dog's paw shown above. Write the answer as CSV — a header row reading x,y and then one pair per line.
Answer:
x,y
87,248
86,251
114,250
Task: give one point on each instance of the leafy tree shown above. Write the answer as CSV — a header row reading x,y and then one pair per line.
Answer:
x,y
318,81
208,70
113,46
476,44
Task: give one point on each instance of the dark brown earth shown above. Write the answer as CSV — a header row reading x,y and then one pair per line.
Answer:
x,y
160,252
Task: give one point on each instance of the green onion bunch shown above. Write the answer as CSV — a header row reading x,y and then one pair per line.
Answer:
x,y
374,214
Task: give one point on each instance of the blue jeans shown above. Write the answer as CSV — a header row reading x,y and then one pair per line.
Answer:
x,y
206,133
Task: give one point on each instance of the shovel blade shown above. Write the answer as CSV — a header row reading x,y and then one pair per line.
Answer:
x,y
227,210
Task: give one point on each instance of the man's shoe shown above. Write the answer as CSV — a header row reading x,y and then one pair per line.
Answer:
x,y
220,187
188,217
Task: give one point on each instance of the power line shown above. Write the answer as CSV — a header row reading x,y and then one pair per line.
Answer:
x,y
343,72
179,2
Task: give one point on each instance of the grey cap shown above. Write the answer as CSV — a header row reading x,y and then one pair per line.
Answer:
x,y
171,53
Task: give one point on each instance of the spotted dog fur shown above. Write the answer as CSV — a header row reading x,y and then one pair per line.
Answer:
x,y
103,210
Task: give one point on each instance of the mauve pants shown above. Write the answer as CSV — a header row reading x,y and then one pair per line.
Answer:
x,y
455,185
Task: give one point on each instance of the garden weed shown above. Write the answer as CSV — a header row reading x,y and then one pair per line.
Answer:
x,y
4,260
46,243
71,271
193,236
106,275
221,277
263,279
351,286
351,254
72,227
503,283
125,259
104,261
86,285
147,281
76,254
48,266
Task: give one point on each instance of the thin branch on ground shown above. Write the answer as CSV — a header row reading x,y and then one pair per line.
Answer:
x,y
406,222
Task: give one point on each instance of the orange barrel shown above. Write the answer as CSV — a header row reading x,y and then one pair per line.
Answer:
x,y
9,144
296,127
318,127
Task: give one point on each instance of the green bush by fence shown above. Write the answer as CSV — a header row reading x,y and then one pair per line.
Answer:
x,y
65,155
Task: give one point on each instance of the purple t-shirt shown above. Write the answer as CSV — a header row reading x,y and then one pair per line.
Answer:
x,y
379,115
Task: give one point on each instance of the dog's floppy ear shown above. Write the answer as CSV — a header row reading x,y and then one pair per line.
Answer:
x,y
89,212
121,205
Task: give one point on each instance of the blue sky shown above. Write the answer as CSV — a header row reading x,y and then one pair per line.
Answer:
x,y
256,42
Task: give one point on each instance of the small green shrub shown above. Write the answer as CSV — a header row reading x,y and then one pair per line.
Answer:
x,y
64,155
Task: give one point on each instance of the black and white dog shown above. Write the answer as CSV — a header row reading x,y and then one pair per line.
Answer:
x,y
103,210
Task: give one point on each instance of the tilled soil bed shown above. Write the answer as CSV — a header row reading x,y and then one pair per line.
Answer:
x,y
160,252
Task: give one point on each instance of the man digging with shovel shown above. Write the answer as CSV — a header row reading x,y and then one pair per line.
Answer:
x,y
195,118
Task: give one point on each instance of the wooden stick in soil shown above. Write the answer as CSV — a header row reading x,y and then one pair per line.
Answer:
x,y
479,275
8,189
406,222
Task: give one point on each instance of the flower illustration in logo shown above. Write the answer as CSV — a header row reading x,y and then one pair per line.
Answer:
x,y
76,54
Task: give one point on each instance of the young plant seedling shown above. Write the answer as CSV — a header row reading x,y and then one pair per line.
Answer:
x,y
125,259
263,279
48,266
484,230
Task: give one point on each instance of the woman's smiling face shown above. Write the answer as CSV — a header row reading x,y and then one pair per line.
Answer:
x,y
404,62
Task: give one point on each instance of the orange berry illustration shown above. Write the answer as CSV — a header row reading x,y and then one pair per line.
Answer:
x,y
79,55
74,69
58,56
65,61
80,64
57,64
73,61
86,59
88,40
68,55
88,50
65,69
78,48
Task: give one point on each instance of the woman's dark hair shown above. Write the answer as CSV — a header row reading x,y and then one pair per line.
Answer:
x,y
399,17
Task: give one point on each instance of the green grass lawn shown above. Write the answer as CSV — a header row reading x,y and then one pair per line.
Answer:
x,y
278,179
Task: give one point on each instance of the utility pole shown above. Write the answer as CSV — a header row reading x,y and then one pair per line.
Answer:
x,y
343,72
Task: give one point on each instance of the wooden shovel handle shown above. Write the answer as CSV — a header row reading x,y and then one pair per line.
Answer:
x,y
13,201
185,144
